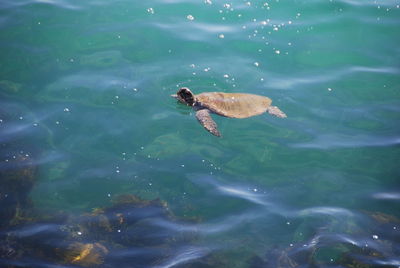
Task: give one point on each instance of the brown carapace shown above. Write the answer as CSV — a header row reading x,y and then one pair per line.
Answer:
x,y
235,105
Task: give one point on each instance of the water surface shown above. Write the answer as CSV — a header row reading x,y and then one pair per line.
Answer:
x,y
85,92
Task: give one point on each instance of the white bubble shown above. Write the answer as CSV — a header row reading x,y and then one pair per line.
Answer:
x,y
208,2
375,237
66,109
190,17
150,10
221,36
256,64
277,52
226,76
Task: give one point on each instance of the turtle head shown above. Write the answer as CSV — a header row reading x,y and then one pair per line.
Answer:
x,y
185,96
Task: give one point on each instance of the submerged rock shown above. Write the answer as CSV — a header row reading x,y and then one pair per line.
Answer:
x,y
87,255
9,86
17,177
139,230
372,241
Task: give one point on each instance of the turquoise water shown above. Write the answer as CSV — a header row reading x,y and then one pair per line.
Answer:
x,y
85,91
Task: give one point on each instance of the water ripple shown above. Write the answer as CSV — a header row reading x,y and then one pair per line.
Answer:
x,y
285,82
35,229
221,225
184,255
383,3
387,195
65,4
197,31
244,193
328,141
331,211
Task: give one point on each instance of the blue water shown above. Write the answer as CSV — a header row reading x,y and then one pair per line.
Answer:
x,y
85,97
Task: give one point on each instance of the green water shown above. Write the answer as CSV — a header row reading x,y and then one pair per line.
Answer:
x,y
85,90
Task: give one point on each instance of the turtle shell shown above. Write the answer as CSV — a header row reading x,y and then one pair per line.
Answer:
x,y
236,105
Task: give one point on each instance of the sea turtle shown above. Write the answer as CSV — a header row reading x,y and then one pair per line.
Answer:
x,y
235,105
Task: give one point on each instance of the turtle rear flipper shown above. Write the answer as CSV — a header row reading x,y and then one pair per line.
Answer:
x,y
276,112
207,122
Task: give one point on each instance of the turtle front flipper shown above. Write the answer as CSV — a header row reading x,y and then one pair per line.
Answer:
x,y
207,122
276,111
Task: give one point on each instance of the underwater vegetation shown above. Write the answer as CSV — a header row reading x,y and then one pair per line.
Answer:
x,y
32,238
17,179
99,238
132,232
